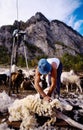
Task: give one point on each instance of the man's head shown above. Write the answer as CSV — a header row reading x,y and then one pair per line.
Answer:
x,y
43,66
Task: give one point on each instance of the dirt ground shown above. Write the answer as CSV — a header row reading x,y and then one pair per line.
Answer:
x,y
59,124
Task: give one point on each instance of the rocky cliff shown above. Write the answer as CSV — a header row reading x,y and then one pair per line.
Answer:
x,y
43,37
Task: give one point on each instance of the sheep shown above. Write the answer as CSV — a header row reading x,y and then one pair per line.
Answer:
x,y
26,109
71,72
29,108
29,72
71,78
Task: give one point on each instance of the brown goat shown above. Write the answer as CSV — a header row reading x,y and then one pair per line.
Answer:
x,y
28,83
16,80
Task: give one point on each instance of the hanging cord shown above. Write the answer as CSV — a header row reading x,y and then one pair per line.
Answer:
x,y
22,33
25,54
17,8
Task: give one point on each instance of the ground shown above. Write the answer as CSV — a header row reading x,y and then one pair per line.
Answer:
x,y
59,125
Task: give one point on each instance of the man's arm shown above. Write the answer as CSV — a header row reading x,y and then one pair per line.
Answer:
x,y
37,86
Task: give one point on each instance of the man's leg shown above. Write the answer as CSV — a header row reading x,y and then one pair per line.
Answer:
x,y
59,71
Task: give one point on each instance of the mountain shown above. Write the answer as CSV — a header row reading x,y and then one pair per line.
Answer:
x,y
42,37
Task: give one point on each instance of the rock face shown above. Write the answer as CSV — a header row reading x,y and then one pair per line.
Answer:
x,y
43,37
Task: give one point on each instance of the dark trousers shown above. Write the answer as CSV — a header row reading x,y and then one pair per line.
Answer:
x,y
59,71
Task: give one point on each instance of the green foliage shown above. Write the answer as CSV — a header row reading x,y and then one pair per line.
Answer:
x,y
4,56
72,62
33,48
31,62
34,62
59,43
69,61
21,61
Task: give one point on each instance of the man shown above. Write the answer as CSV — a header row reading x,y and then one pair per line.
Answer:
x,y
52,68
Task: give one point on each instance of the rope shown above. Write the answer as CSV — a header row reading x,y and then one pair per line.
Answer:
x,y
25,54
17,8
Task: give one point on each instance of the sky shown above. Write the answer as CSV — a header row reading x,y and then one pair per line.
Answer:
x,y
67,11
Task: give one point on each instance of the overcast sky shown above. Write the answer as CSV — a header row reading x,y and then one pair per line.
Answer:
x,y
68,11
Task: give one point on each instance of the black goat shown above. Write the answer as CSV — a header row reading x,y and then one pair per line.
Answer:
x,y
3,79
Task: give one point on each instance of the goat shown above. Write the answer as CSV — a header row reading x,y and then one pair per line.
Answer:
x,y
27,83
71,78
3,79
16,79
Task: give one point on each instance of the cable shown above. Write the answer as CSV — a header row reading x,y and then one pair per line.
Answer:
x,y
17,8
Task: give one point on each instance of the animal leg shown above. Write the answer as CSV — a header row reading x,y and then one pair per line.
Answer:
x,y
79,88
67,88
50,122
17,88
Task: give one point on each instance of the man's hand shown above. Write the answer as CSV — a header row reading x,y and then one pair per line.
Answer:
x,y
47,98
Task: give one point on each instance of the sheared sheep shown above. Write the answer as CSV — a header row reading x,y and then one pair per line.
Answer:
x,y
71,78
25,110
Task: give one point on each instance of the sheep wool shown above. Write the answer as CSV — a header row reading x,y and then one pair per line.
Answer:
x,y
26,108
5,102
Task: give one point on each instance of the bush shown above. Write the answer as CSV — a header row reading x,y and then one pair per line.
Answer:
x,y
4,56
72,62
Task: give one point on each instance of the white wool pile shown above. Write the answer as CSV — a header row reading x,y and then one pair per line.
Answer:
x,y
25,110
5,102
4,126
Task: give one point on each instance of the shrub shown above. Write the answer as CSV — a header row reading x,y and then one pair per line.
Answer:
x,y
72,62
